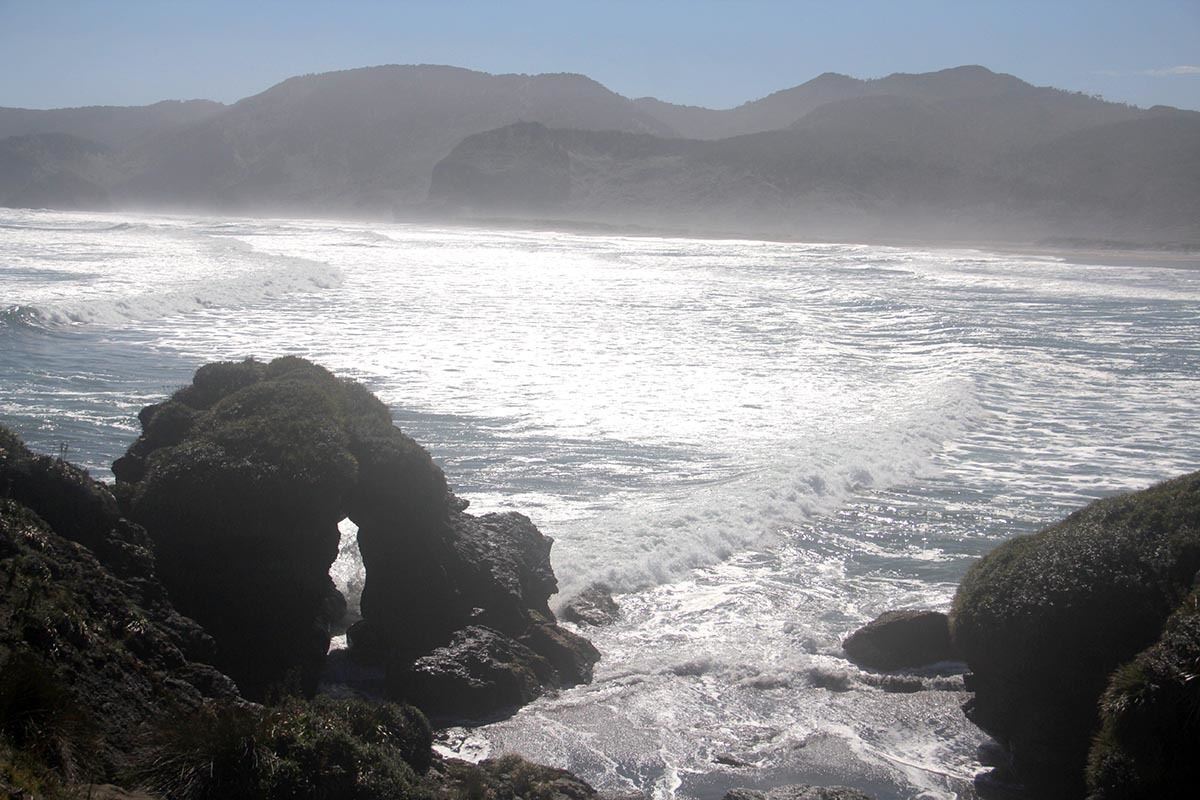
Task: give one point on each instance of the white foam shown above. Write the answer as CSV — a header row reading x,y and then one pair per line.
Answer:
x,y
662,538
146,273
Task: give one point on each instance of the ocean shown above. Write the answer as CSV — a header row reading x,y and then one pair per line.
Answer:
x,y
759,445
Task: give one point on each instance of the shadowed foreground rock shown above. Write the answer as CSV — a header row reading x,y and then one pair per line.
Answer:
x,y
899,639
90,647
242,477
1043,620
100,696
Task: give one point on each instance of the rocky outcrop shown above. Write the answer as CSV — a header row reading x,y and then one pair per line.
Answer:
x,y
90,648
1043,620
241,479
509,777
84,512
593,606
798,792
98,685
1149,739
479,673
900,639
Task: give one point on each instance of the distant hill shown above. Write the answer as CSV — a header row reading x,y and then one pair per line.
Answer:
x,y
875,166
957,154
54,170
358,140
115,127
970,88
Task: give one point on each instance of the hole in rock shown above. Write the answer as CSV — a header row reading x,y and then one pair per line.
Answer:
x,y
348,575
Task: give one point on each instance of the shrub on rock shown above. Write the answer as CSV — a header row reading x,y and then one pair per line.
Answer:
x,y
329,749
1149,739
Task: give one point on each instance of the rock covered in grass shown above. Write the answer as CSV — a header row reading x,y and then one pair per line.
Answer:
x,y
242,477
899,639
1043,620
85,660
243,493
98,686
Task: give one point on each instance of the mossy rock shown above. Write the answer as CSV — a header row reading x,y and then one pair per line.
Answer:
x,y
1149,739
1044,619
241,478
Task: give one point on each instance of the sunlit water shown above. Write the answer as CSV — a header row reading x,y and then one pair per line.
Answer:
x,y
760,445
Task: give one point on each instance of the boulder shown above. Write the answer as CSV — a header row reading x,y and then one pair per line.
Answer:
x,y
593,606
1043,620
900,639
798,792
571,655
510,777
502,566
480,674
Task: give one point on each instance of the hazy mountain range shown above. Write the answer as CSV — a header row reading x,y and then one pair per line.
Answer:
x,y
957,154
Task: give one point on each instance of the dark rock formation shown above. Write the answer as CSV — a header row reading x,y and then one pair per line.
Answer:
x,y
1149,739
899,639
571,655
84,511
481,672
242,477
798,792
509,777
98,686
90,647
1043,620
593,606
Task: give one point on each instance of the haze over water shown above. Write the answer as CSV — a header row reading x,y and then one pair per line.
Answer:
x,y
762,445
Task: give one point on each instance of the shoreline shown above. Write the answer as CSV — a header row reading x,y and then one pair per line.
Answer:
x,y
1086,252
1164,256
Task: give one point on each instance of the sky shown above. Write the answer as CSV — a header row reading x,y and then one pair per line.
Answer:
x,y
705,52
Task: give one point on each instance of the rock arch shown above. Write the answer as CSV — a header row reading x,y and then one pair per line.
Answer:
x,y
241,479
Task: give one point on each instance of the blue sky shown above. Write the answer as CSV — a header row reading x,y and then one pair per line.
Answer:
x,y
703,52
